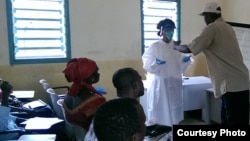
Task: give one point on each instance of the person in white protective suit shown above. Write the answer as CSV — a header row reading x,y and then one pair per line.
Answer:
x,y
164,67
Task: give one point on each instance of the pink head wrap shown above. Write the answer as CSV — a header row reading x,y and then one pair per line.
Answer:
x,y
77,71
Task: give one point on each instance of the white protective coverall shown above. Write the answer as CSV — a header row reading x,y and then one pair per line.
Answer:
x,y
164,91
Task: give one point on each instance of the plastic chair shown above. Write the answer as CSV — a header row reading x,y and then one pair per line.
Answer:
x,y
46,85
74,132
53,97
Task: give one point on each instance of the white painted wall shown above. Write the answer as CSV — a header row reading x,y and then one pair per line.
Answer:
x,y
106,29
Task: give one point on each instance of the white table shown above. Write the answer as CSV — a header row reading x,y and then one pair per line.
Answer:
x,y
194,94
213,107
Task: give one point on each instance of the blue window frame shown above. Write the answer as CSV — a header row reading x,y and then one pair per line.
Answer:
x,y
152,11
38,31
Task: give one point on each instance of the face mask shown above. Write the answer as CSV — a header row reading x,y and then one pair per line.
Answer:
x,y
169,34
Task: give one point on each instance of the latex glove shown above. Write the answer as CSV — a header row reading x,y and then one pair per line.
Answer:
x,y
100,90
186,58
159,62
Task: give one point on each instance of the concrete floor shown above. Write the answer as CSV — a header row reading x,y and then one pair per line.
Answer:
x,y
193,118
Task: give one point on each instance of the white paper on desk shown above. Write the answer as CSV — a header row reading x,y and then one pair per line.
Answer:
x,y
23,94
38,137
40,123
34,104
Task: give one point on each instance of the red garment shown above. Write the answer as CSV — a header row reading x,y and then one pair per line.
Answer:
x,y
82,114
77,71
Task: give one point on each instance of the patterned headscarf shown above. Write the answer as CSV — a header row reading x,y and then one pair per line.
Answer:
x,y
77,71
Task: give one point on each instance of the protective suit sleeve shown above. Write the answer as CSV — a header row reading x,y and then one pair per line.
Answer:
x,y
150,60
186,62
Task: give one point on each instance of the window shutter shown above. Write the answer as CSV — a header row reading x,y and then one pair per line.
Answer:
x,y
39,29
153,12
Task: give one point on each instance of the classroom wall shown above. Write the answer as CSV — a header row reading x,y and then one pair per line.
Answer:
x,y
106,31
110,33
236,10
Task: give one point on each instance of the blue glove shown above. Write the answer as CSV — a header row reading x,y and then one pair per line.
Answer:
x,y
160,62
100,90
186,59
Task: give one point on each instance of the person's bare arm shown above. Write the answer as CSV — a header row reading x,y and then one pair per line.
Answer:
x,y
6,91
182,48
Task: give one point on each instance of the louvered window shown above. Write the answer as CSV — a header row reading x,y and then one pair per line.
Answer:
x,y
152,12
38,31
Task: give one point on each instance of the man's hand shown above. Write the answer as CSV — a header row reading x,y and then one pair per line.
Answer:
x,y
177,42
182,48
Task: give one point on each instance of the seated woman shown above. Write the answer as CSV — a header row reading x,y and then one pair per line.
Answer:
x,y
82,100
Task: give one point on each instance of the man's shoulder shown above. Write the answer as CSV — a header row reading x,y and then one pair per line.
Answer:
x,y
218,23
